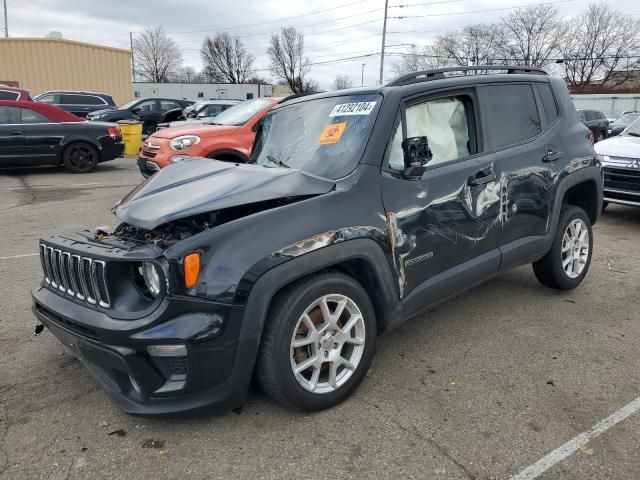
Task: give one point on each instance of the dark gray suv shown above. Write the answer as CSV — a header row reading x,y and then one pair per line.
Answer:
x,y
358,210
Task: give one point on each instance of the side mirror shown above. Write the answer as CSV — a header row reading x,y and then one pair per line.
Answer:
x,y
416,155
257,125
135,110
202,115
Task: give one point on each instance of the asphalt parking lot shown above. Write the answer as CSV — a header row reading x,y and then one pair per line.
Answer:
x,y
482,387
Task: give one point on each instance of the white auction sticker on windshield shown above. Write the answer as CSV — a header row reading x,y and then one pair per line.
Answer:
x,y
356,108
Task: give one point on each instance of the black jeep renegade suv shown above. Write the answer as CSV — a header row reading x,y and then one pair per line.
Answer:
x,y
358,210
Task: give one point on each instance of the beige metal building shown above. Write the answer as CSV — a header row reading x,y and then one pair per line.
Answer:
x,y
40,64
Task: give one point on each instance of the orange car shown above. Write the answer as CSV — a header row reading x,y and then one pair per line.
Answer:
x,y
228,137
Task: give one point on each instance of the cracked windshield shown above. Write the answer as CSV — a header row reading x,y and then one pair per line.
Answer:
x,y
324,137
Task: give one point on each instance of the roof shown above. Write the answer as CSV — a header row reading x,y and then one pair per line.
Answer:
x,y
61,40
87,92
53,113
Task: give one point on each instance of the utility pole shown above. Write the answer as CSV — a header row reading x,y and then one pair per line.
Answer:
x,y
362,82
384,34
6,24
133,62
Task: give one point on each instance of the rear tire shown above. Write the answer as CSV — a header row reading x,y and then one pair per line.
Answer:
x,y
567,262
80,157
325,321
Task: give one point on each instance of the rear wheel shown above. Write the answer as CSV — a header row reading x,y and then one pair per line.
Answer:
x,y
80,157
567,262
318,342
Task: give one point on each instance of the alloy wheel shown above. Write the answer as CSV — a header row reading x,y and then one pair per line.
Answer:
x,y
327,344
575,248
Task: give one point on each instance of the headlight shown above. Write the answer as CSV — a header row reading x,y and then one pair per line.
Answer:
x,y
184,142
151,275
179,158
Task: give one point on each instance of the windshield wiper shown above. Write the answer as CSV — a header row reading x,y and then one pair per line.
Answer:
x,y
633,134
276,161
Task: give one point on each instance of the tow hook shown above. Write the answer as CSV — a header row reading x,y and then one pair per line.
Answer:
x,y
38,330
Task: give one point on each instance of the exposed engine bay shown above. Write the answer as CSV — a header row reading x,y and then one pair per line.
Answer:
x,y
170,233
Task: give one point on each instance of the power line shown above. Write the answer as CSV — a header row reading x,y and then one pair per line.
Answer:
x,y
482,11
283,19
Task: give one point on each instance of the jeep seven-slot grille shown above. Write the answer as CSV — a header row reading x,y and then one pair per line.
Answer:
x,y
81,277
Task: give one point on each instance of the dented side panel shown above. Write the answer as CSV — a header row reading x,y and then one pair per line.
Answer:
x,y
440,221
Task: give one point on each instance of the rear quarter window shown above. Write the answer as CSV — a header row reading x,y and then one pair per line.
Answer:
x,y
548,102
8,95
511,114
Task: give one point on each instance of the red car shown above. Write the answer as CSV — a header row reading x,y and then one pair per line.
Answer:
x,y
34,133
227,136
13,93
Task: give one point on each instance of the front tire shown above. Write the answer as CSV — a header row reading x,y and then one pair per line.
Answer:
x,y
567,262
318,342
80,157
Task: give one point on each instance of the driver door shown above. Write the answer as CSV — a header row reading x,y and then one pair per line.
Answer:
x,y
445,226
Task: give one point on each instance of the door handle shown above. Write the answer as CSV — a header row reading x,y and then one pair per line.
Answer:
x,y
16,132
481,180
551,156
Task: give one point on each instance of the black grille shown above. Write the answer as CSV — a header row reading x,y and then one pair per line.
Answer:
x,y
620,179
83,278
148,154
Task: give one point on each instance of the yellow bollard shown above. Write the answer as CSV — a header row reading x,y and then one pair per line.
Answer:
x,y
132,136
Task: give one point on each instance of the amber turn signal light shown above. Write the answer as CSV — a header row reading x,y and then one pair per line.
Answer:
x,y
191,269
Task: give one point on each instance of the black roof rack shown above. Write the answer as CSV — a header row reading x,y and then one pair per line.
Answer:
x,y
438,73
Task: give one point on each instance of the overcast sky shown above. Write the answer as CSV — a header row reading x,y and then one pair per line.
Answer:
x,y
333,29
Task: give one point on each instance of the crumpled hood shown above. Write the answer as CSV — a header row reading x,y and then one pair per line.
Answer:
x,y
195,129
620,146
203,185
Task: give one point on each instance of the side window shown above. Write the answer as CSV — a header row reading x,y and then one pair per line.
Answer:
x,y
146,106
168,105
8,95
212,110
548,102
30,116
9,115
445,123
511,113
50,98
75,99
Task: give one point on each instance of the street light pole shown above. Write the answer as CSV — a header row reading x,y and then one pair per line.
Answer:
x,y
384,34
362,82
6,22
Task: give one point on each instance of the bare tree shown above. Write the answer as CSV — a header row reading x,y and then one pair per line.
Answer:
x,y
342,82
225,59
257,80
288,63
418,59
600,47
473,45
530,35
157,57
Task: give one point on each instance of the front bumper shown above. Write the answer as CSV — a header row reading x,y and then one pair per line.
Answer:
x,y
622,186
214,374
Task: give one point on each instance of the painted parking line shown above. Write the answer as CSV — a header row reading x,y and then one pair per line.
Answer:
x,y
562,452
20,256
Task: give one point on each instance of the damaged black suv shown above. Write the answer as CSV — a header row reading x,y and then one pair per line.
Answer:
x,y
358,210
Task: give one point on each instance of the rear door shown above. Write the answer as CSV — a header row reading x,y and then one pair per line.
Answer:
x,y
526,147
443,226
43,137
12,139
